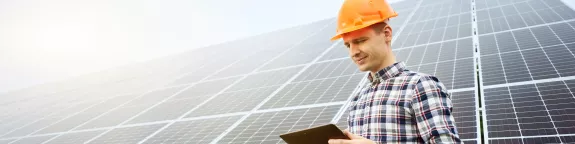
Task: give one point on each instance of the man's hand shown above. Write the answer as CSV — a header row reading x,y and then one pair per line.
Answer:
x,y
355,139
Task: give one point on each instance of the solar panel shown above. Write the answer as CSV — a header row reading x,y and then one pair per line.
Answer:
x,y
315,91
509,65
127,110
75,120
266,78
328,69
42,123
526,66
7,141
536,109
205,88
125,134
252,62
29,140
234,101
466,115
305,51
194,131
74,138
267,126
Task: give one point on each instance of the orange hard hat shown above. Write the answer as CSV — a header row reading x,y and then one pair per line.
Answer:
x,y
358,14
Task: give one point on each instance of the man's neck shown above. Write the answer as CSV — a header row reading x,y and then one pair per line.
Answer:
x,y
385,64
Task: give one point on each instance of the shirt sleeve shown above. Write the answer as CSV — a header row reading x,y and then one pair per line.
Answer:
x,y
432,109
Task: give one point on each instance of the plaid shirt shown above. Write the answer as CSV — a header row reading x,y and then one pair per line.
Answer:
x,y
401,106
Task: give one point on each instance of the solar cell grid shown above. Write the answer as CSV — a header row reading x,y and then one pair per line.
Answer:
x,y
153,97
7,141
250,63
194,131
527,54
567,139
306,51
74,138
340,51
128,110
454,65
114,117
402,5
230,53
314,92
328,69
84,116
126,134
236,101
266,127
32,127
29,140
465,114
266,78
189,78
425,3
522,14
205,88
171,109
13,122
435,30
530,110
35,126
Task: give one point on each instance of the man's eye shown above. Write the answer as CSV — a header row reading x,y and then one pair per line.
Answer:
x,y
359,41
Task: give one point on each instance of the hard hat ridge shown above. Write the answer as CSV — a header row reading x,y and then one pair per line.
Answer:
x,y
358,14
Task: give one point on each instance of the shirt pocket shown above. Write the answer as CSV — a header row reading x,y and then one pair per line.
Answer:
x,y
391,116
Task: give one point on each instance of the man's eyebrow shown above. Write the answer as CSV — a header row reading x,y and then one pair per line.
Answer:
x,y
358,39
362,38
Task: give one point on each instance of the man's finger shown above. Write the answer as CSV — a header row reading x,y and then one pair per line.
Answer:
x,y
339,141
351,135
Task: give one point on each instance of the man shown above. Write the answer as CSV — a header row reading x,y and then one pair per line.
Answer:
x,y
396,105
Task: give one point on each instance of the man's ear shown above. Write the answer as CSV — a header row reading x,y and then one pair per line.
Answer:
x,y
388,33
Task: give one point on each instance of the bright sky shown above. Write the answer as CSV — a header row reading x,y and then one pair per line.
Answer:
x,y
42,41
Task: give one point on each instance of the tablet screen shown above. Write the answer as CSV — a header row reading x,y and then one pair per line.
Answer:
x,y
315,135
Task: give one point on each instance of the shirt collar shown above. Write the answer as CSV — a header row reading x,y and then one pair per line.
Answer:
x,y
386,73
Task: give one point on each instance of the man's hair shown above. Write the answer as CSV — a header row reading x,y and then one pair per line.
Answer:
x,y
378,27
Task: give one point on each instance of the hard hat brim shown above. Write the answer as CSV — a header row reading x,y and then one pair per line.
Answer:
x,y
365,24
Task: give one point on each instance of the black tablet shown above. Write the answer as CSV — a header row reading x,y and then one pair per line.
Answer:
x,y
315,135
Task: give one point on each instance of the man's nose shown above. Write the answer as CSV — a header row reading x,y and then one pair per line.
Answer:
x,y
353,51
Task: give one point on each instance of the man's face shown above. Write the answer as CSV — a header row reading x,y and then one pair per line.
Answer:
x,y
367,48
